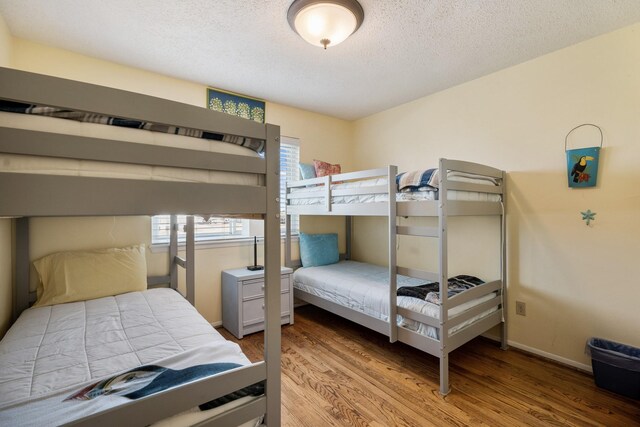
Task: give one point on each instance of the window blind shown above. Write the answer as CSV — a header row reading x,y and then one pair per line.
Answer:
x,y
205,228
289,160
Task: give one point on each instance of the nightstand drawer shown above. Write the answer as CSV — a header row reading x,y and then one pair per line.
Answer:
x,y
254,309
255,288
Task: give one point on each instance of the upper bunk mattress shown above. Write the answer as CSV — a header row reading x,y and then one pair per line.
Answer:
x,y
315,196
58,166
365,288
53,352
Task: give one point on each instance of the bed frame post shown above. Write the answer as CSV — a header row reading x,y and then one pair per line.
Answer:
x,y
173,251
21,284
443,277
272,338
348,223
287,241
190,258
393,262
504,338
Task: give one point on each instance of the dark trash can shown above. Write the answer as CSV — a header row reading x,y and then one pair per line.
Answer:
x,y
616,367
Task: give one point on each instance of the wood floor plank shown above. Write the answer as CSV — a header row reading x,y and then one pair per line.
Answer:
x,y
337,373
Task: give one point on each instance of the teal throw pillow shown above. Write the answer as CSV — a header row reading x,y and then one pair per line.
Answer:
x,y
307,170
318,249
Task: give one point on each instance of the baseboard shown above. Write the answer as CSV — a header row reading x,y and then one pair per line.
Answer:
x,y
544,354
216,324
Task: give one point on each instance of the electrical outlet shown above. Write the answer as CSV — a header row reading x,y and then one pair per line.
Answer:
x,y
521,308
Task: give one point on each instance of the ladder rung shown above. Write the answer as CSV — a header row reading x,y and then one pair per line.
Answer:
x,y
417,231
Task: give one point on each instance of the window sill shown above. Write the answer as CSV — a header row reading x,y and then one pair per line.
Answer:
x,y
214,244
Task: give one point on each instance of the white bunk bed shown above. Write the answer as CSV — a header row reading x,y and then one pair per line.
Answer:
x,y
437,329
50,172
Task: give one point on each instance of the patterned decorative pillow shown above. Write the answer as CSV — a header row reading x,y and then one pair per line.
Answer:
x,y
324,168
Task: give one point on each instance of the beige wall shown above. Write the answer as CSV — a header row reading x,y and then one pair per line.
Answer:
x,y
577,281
5,224
321,137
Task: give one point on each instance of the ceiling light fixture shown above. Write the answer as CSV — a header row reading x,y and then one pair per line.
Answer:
x,y
325,22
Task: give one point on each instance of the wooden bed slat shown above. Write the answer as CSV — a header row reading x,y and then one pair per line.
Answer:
x,y
465,334
414,339
365,174
163,404
30,142
355,316
417,231
420,274
474,293
49,195
469,208
238,415
470,167
473,187
473,311
419,317
39,89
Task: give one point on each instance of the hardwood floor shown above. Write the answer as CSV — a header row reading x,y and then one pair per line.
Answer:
x,y
337,373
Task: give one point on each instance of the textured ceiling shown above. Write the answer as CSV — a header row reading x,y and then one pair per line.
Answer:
x,y
405,49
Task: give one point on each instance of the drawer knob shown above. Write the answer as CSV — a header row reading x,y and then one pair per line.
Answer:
x,y
263,306
262,287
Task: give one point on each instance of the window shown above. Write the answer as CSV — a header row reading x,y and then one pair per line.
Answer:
x,y
289,161
218,228
205,228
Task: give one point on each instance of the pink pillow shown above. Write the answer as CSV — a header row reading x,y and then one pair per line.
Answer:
x,y
324,168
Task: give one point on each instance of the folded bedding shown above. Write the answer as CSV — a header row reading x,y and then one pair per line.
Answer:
x,y
430,291
429,179
62,362
21,108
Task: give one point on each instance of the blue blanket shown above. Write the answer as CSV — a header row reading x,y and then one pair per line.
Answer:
x,y
149,379
256,145
415,180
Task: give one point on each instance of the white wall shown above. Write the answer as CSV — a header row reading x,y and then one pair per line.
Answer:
x,y
577,281
321,136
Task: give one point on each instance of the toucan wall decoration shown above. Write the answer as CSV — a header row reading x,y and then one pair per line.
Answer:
x,y
582,163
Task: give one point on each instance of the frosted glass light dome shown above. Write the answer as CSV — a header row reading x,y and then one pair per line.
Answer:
x,y
325,23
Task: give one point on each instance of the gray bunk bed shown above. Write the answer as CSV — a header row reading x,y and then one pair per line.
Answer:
x,y
374,193
26,195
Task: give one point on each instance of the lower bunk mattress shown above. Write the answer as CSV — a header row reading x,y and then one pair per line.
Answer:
x,y
364,287
63,362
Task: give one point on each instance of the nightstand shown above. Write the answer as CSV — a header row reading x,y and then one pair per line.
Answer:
x,y
243,300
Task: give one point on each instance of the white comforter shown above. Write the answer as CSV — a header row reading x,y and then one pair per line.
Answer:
x,y
365,288
54,351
